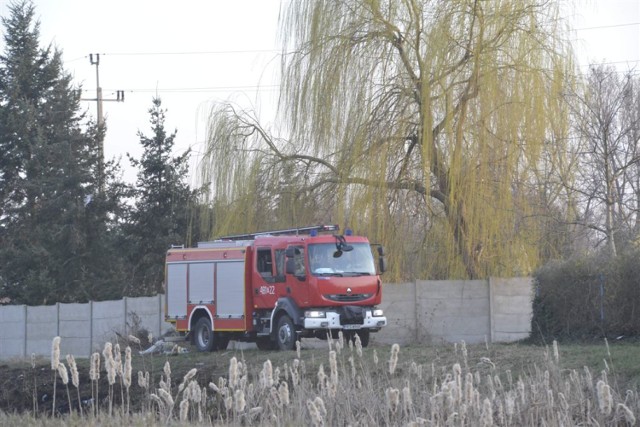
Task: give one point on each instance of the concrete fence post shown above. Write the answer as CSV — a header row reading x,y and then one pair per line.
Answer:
x,y
57,319
124,328
416,318
160,316
491,311
24,333
90,328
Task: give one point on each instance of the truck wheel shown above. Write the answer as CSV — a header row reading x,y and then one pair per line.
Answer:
x,y
203,337
286,333
265,344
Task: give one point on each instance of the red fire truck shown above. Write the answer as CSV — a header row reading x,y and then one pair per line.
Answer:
x,y
275,287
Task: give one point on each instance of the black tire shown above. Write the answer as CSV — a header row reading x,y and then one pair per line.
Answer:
x,y
286,336
203,336
265,344
347,336
221,340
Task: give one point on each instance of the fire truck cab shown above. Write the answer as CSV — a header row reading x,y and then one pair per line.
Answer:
x,y
275,287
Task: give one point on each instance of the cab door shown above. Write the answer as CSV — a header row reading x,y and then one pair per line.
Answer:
x,y
265,280
297,276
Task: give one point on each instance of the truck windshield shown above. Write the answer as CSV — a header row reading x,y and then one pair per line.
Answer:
x,y
357,262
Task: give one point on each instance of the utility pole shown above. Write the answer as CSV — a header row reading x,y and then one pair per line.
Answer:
x,y
99,99
98,88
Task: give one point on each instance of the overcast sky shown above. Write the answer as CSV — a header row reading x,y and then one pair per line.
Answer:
x,y
192,54
198,52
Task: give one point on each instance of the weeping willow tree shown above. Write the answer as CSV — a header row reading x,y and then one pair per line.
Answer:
x,y
419,123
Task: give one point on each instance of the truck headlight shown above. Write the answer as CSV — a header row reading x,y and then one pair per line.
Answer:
x,y
314,313
377,312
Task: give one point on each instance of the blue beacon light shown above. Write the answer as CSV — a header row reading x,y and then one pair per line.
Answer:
x,y
348,232
314,233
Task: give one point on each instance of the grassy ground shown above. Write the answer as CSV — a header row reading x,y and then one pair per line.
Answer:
x,y
26,387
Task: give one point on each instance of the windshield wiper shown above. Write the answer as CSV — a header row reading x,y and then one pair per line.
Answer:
x,y
330,274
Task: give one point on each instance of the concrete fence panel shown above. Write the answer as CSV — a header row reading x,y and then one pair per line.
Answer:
x,y
109,317
399,305
511,308
75,326
42,326
13,334
147,313
453,310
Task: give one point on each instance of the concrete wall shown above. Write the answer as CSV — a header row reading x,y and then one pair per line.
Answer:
x,y
84,328
494,310
430,312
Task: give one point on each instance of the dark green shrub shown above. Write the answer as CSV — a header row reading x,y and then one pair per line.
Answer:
x,y
587,298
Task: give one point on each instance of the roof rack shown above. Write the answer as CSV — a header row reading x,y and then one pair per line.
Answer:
x,y
294,231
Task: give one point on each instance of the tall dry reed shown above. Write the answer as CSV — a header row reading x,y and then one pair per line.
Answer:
x,y
358,390
55,361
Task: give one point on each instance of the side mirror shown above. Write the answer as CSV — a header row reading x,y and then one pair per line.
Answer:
x,y
380,250
342,247
291,252
382,264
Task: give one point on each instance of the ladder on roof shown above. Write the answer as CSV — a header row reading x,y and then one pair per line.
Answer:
x,y
295,231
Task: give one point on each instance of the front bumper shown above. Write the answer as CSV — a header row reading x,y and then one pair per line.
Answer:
x,y
332,320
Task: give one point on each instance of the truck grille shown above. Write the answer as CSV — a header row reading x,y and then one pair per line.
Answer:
x,y
347,297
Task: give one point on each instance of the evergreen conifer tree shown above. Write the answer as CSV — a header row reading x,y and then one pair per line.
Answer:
x,y
54,220
163,204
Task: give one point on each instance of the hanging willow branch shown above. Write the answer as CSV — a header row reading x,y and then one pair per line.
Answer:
x,y
418,123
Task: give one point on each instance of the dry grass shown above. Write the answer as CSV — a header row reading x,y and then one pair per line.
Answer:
x,y
343,384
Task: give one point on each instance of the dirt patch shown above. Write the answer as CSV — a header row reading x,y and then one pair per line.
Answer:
x,y
28,386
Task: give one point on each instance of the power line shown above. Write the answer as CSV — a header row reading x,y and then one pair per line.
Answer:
x,y
254,51
183,53
606,26
198,89
212,52
626,61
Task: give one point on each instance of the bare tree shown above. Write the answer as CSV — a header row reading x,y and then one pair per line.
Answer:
x,y
606,114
